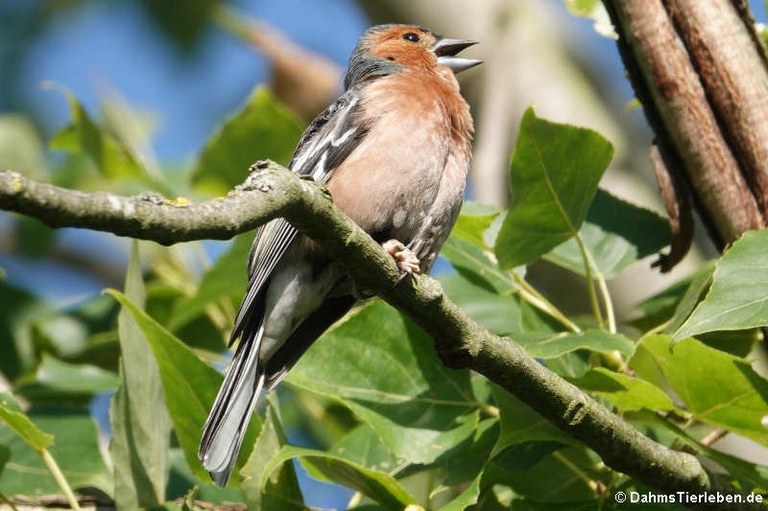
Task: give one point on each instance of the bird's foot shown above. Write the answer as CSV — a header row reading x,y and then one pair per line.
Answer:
x,y
406,260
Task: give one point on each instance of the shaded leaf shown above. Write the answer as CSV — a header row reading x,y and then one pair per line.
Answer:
x,y
277,489
520,424
55,379
226,279
376,485
382,367
189,385
140,423
263,128
616,234
363,447
498,313
184,25
737,298
76,451
553,176
552,345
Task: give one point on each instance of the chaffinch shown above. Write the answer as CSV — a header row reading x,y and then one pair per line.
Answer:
x,y
394,151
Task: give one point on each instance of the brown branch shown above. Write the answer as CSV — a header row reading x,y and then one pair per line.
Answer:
x,y
735,79
459,341
677,106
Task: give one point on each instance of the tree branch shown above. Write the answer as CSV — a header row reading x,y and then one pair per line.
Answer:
x,y
272,191
702,86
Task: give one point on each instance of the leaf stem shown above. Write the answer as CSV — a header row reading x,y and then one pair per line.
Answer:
x,y
576,470
532,296
593,300
58,475
607,301
9,502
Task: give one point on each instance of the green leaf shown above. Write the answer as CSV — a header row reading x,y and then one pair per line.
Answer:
x,y
738,297
263,128
184,26
466,499
616,234
21,149
498,313
22,426
474,221
384,369
547,345
224,280
364,447
55,380
110,157
716,387
595,10
478,266
553,176
750,475
520,424
277,489
5,455
376,485
625,392
140,424
189,385
76,452
20,310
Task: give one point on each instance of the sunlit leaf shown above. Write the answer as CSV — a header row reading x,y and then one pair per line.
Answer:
x,y
623,391
738,296
477,265
20,424
473,223
385,370
110,156
263,128
716,387
21,148
548,345
595,10
553,177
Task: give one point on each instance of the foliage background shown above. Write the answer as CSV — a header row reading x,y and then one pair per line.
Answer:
x,y
155,110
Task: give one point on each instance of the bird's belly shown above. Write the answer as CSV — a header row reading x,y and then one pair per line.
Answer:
x,y
389,190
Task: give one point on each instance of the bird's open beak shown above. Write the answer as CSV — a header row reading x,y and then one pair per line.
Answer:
x,y
446,50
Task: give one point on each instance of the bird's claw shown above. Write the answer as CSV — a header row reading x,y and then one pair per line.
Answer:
x,y
406,260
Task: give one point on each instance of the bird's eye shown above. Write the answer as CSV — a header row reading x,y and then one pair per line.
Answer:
x,y
412,37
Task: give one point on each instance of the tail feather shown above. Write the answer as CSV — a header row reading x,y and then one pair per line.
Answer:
x,y
227,423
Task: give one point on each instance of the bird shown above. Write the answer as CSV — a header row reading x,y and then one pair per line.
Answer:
x,y
394,151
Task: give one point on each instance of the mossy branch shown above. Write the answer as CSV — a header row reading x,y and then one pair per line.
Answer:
x,y
271,191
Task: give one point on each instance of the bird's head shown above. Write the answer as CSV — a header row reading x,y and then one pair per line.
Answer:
x,y
387,49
